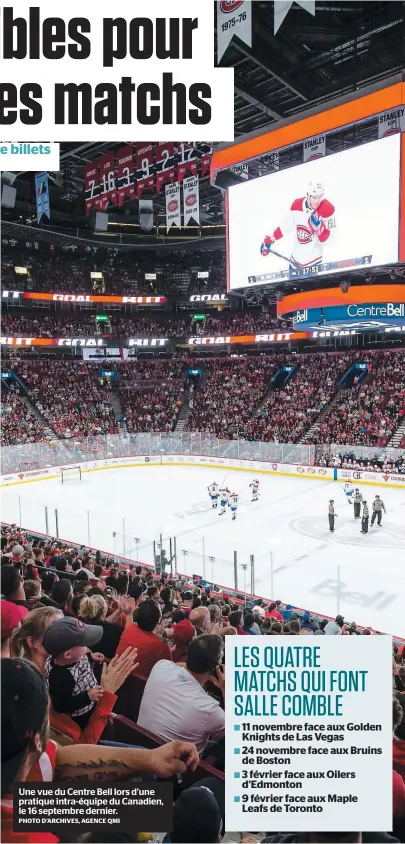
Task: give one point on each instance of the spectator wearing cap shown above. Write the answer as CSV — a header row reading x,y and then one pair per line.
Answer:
x,y
73,688
28,756
335,628
287,614
198,814
307,623
144,636
12,587
174,702
11,616
183,633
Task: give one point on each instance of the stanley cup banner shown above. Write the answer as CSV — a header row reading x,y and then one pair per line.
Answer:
x,y
314,148
191,201
42,196
234,17
391,122
173,212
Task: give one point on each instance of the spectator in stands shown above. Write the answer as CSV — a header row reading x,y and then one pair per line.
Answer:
x,y
198,813
174,702
24,733
62,594
183,633
26,641
11,616
334,628
32,590
235,620
73,688
12,586
144,635
249,624
93,610
200,619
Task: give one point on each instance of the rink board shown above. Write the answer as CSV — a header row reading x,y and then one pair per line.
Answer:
x,y
286,469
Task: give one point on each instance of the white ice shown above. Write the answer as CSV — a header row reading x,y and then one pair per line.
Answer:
x,y
296,558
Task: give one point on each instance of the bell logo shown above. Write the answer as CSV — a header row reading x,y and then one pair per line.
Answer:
x,y
230,5
172,205
191,200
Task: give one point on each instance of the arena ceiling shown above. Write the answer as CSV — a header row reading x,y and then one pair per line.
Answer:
x,y
345,48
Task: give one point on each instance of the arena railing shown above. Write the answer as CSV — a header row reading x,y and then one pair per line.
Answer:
x,y
46,454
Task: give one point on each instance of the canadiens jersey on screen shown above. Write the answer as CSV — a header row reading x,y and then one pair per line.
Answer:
x,y
310,230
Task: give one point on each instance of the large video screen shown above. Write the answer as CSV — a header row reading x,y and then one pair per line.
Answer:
x,y
337,213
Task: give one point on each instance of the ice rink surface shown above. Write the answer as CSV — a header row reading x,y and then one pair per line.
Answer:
x,y
296,558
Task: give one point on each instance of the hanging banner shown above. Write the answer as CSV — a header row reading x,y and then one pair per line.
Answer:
x,y
42,196
187,160
206,150
234,17
391,122
125,174
282,7
164,164
314,148
191,200
173,214
108,180
145,171
91,185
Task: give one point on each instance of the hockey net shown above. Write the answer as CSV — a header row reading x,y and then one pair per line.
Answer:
x,y
69,473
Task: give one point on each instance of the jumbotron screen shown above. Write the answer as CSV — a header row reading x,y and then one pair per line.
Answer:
x,y
336,213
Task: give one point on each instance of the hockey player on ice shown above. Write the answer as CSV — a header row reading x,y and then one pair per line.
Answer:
x,y
311,222
255,490
213,490
233,503
223,500
348,490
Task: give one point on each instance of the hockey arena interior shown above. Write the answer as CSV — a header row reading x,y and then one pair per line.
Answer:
x,y
203,396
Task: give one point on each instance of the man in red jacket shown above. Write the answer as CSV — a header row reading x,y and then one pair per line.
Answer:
x,y
144,636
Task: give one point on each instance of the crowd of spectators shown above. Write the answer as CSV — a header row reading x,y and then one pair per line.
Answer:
x,y
26,323
66,269
82,629
349,460
369,413
68,396
18,423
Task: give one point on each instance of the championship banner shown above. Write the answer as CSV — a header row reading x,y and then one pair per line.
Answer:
x,y
91,184
391,122
206,150
314,148
42,196
125,174
165,162
108,184
234,17
173,213
145,171
191,200
187,160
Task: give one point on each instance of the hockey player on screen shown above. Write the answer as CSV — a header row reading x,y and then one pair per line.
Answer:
x,y
223,500
255,490
213,490
311,222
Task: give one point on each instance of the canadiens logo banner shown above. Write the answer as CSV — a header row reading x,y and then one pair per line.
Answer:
x,y
173,212
234,17
391,122
191,202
